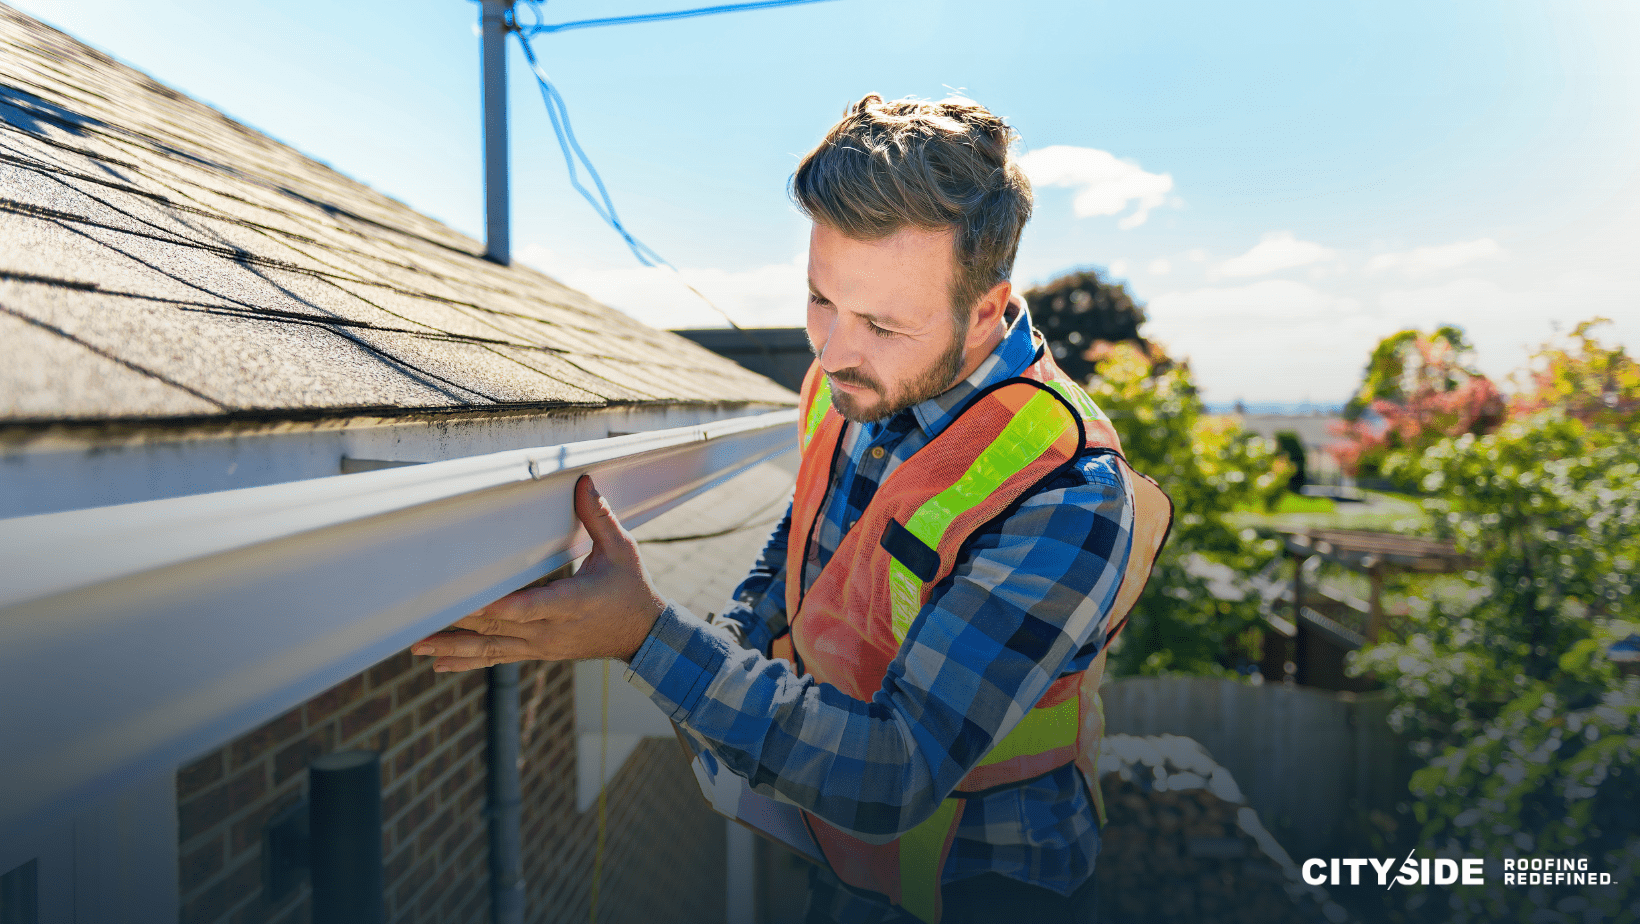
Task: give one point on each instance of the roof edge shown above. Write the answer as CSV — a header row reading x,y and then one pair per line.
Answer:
x,y
62,466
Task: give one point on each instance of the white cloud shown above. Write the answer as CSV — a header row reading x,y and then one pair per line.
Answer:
x,y
1286,340
1159,267
1435,259
1274,340
1505,324
1270,300
1277,250
1104,184
764,296
1117,269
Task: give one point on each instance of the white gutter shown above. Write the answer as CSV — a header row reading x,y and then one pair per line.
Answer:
x,y
135,637
76,466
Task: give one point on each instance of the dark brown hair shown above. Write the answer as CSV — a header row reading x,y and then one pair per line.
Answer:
x,y
935,166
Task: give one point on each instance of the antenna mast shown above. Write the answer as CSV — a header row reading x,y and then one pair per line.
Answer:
x,y
497,203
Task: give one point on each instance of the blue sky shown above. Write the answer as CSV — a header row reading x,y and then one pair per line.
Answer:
x,y
1281,182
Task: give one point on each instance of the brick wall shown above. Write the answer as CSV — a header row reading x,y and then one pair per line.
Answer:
x,y
663,849
430,732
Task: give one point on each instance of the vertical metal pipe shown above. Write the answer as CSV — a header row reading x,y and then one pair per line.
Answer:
x,y
1301,637
345,838
497,216
506,823
740,873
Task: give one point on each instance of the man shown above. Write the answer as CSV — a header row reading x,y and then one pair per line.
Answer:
x,y
963,538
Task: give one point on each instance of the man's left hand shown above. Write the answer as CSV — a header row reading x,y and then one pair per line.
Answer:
x,y
605,611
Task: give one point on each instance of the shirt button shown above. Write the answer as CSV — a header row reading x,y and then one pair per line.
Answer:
x,y
877,452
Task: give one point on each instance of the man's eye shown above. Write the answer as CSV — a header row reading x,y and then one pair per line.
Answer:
x,y
880,331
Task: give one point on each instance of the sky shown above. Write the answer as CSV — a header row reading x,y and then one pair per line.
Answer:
x,y
1280,183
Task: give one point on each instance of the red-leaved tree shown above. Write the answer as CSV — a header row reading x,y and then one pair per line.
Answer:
x,y
1418,389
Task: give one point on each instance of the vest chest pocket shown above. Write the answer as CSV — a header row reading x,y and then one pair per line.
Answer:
x,y
917,557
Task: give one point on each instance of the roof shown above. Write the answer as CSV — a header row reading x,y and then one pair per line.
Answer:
x,y
166,263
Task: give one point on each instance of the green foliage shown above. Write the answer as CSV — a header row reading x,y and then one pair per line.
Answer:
x,y
1422,389
1079,314
1292,447
1586,379
1530,735
1552,507
1209,466
1394,365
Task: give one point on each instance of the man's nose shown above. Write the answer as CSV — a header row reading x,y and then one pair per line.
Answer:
x,y
841,350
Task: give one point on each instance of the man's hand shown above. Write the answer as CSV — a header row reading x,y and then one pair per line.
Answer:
x,y
605,611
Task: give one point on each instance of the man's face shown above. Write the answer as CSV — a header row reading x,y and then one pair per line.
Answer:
x,y
880,319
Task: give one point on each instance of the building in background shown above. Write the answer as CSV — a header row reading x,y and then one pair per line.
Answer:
x,y
781,353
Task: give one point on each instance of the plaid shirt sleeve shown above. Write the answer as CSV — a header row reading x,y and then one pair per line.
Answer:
x,y
1027,603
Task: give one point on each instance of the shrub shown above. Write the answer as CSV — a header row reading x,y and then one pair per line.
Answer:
x,y
1209,466
1529,733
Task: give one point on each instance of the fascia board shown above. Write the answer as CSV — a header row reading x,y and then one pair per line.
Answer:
x,y
135,637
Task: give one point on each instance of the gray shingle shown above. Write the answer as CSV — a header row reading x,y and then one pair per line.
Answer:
x,y
48,375
191,266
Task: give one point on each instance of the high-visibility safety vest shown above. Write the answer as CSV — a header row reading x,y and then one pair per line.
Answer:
x,y
847,628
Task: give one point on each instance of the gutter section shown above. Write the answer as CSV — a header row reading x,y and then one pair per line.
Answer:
x,y
134,637
72,466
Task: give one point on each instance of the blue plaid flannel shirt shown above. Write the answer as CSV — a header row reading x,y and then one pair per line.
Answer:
x,y
1027,604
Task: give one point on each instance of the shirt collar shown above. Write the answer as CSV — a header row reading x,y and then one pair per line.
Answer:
x,y
1012,356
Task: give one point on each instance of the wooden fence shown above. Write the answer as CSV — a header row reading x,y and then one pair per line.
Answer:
x,y
1314,764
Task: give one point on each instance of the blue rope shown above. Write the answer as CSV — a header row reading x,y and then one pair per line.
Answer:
x,y
602,204
539,28
558,112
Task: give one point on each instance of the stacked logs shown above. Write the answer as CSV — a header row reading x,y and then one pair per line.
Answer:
x,y
1182,845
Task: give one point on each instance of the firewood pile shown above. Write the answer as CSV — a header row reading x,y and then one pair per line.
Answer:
x,y
1181,844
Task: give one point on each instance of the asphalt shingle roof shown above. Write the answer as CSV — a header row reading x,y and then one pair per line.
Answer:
x,y
159,260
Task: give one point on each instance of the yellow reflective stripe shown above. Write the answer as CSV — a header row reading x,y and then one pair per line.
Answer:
x,y
905,596
1093,784
1078,398
921,850
817,408
1028,435
1042,730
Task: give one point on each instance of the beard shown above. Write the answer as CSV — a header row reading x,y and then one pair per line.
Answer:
x,y
932,381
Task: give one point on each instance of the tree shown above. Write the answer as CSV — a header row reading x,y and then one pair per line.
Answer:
x,y
1393,360
1080,314
1209,466
1585,379
1531,737
1421,389
1289,445
1529,734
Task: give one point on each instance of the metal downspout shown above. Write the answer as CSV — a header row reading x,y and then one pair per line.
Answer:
x,y
506,799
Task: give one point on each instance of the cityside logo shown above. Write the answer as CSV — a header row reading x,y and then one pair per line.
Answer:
x,y
1468,871
1412,872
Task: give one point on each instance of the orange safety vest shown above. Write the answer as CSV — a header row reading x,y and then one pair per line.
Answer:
x,y
848,627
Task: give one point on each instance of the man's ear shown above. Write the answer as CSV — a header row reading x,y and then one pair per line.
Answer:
x,y
988,314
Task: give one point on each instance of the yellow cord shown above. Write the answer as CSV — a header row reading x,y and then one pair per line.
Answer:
x,y
603,758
